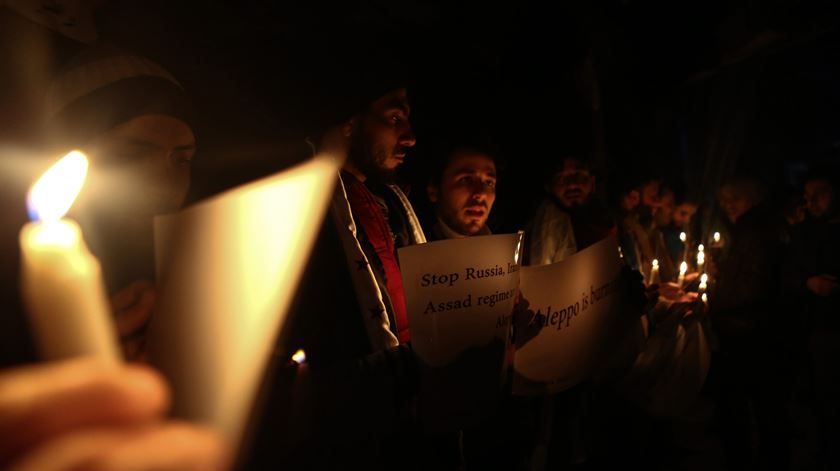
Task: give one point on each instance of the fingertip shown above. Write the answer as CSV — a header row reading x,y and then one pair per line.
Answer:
x,y
148,387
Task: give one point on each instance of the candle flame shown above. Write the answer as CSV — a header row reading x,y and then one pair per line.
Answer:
x,y
655,263
700,248
704,278
683,237
716,236
52,195
299,357
704,298
683,268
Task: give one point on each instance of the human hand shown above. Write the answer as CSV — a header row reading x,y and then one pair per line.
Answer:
x,y
82,414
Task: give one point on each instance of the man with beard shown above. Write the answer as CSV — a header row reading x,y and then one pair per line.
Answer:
x,y
463,192
357,400
570,218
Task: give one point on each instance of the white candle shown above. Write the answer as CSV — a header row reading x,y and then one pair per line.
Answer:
x,y
683,270
704,278
701,258
654,272
61,281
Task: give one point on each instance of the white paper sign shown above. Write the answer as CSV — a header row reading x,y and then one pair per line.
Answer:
x,y
228,270
567,311
459,293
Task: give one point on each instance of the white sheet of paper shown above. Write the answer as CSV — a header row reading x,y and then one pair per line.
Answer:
x,y
459,293
228,270
577,302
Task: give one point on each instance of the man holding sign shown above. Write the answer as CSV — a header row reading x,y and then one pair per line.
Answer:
x,y
463,191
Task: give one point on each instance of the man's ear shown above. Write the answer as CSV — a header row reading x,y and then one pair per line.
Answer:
x,y
433,192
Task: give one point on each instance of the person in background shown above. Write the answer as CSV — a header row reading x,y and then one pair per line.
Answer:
x,y
747,366
812,282
550,236
572,188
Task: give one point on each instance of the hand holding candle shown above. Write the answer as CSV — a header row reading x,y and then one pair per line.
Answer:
x,y
61,281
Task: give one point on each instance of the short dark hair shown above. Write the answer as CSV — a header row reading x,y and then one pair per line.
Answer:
x,y
447,151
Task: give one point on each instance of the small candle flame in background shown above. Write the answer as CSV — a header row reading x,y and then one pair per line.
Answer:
x,y
683,237
716,237
683,268
704,278
700,248
54,193
299,357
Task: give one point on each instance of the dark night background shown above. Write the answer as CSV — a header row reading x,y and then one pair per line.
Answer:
x,y
693,91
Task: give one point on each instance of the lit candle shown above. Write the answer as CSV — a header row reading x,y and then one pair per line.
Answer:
x,y
704,278
701,258
299,357
684,240
654,272
705,298
681,278
683,237
716,237
61,281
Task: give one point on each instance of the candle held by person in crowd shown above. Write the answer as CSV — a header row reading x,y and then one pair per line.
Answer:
x,y
704,278
61,281
654,272
701,258
681,277
299,357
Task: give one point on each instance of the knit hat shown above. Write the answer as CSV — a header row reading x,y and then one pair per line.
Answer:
x,y
339,71
104,87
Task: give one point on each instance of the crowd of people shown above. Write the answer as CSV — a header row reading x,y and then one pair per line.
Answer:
x,y
763,290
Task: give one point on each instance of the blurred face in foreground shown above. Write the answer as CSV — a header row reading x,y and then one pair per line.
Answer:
x,y
143,166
